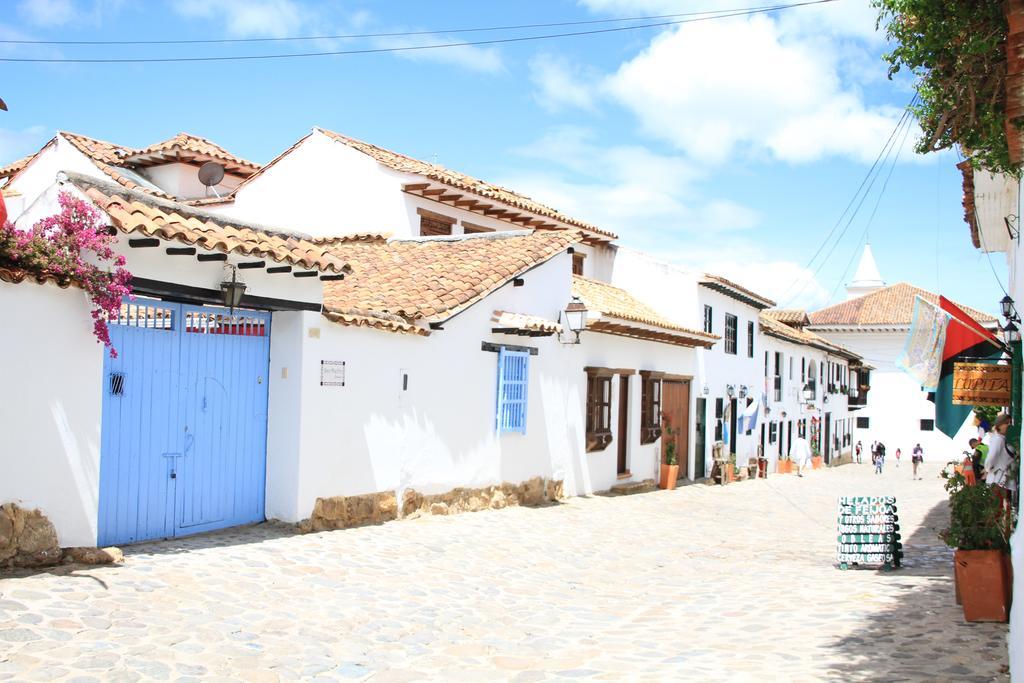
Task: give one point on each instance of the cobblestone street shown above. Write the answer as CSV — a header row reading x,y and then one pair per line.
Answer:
x,y
702,583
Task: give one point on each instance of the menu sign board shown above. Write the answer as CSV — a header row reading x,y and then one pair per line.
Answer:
x,y
869,531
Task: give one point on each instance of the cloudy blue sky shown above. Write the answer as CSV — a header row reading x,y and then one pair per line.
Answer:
x,y
732,145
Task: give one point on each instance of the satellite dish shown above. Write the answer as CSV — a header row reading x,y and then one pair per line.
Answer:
x,y
211,173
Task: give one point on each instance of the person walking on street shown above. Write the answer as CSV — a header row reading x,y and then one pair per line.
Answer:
x,y
880,449
916,458
857,451
898,453
800,453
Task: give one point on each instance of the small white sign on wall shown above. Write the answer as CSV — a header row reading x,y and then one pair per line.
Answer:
x,y
332,373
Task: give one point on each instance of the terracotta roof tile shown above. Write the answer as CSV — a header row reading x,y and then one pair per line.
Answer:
x,y
15,167
17,275
136,212
789,316
777,328
614,302
526,323
719,282
892,305
192,145
436,277
400,162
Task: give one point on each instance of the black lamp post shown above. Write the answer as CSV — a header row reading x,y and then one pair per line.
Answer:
x,y
1011,336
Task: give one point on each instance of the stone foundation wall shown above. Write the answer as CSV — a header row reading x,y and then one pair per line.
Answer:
x,y
29,539
340,512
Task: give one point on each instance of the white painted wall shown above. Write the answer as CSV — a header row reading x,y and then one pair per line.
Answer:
x,y
37,180
323,188
896,403
51,368
793,405
182,180
373,436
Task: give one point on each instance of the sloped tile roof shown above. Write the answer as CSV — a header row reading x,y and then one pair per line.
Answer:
x,y
194,145
526,323
892,305
789,316
614,302
405,164
736,291
431,279
777,328
114,160
133,212
16,166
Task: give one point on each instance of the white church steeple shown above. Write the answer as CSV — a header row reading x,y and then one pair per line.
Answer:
x,y
867,279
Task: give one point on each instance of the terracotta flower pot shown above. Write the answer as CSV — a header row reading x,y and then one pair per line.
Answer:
x,y
983,579
817,462
784,467
669,474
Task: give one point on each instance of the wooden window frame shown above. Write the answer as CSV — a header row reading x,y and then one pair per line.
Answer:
x,y
730,341
750,339
780,362
650,406
578,261
474,229
709,319
599,406
865,420
927,425
436,222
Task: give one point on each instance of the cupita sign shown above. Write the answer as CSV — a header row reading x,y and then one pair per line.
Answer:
x,y
981,384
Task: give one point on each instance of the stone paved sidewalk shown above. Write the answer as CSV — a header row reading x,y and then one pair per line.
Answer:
x,y
702,583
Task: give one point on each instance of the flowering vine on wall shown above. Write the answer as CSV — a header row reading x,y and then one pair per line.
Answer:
x,y
72,247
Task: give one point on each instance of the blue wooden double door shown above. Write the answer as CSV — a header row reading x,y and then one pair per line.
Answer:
x,y
184,434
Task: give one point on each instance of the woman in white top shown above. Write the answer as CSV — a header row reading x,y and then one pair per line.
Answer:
x,y
999,460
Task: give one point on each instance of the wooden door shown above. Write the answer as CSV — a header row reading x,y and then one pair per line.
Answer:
x,y
828,438
675,401
623,436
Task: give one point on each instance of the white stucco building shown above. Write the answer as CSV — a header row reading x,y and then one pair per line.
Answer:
x,y
874,322
356,364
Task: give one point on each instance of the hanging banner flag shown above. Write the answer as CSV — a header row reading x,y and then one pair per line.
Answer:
x,y
921,357
750,415
726,419
965,338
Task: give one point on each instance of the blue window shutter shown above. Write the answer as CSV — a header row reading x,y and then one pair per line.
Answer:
x,y
513,380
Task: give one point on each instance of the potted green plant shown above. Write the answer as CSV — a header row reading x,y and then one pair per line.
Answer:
x,y
979,531
670,464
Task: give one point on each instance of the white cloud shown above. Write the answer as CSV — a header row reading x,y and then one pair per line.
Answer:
x,y
788,283
248,18
737,87
560,83
472,58
15,144
48,12
650,199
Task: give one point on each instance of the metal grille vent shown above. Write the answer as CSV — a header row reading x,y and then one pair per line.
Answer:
x,y
217,323
117,384
144,315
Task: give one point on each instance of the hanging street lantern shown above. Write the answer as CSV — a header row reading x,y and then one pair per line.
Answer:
x,y
575,317
232,290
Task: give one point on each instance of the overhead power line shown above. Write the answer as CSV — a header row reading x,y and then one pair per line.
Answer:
x,y
857,199
393,34
410,48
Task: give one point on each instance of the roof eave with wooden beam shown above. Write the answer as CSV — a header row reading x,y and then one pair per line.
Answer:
x,y
518,217
648,334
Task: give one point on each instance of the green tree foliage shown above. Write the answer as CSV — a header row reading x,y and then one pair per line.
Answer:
x,y
957,51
